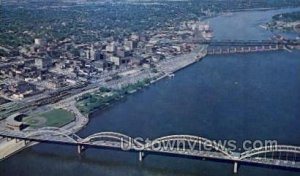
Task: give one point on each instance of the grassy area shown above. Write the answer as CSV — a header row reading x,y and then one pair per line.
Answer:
x,y
90,102
54,118
104,97
130,88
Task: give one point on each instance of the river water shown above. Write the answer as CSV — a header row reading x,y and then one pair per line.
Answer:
x,y
238,97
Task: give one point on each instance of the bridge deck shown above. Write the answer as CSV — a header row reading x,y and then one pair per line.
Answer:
x,y
116,145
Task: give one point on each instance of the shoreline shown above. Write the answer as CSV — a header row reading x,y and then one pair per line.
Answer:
x,y
164,75
82,120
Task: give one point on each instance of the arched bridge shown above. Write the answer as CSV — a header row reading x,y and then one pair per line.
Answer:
x,y
188,145
175,145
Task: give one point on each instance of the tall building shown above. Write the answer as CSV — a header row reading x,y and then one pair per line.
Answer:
x,y
43,63
115,60
88,54
128,45
39,42
111,47
134,37
93,53
123,53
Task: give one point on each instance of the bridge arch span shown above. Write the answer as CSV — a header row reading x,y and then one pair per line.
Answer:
x,y
270,149
54,131
191,140
111,136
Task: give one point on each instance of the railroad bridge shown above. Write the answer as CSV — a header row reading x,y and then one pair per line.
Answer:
x,y
217,47
186,146
220,47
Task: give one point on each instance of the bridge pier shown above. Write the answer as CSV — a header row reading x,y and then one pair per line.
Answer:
x,y
248,50
80,149
141,156
235,167
26,142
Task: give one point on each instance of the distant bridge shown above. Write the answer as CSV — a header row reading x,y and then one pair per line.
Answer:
x,y
235,42
217,47
220,47
247,42
243,49
176,145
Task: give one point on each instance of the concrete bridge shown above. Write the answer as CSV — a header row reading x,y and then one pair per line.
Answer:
x,y
243,49
220,47
186,146
239,43
242,43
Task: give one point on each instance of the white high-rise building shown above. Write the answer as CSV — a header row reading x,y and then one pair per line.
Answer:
x,y
111,47
92,53
128,45
43,63
39,42
115,60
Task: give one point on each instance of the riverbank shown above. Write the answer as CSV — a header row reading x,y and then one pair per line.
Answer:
x,y
109,94
164,69
214,99
285,22
9,148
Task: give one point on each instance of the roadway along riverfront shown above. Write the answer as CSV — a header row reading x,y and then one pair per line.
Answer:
x,y
67,101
